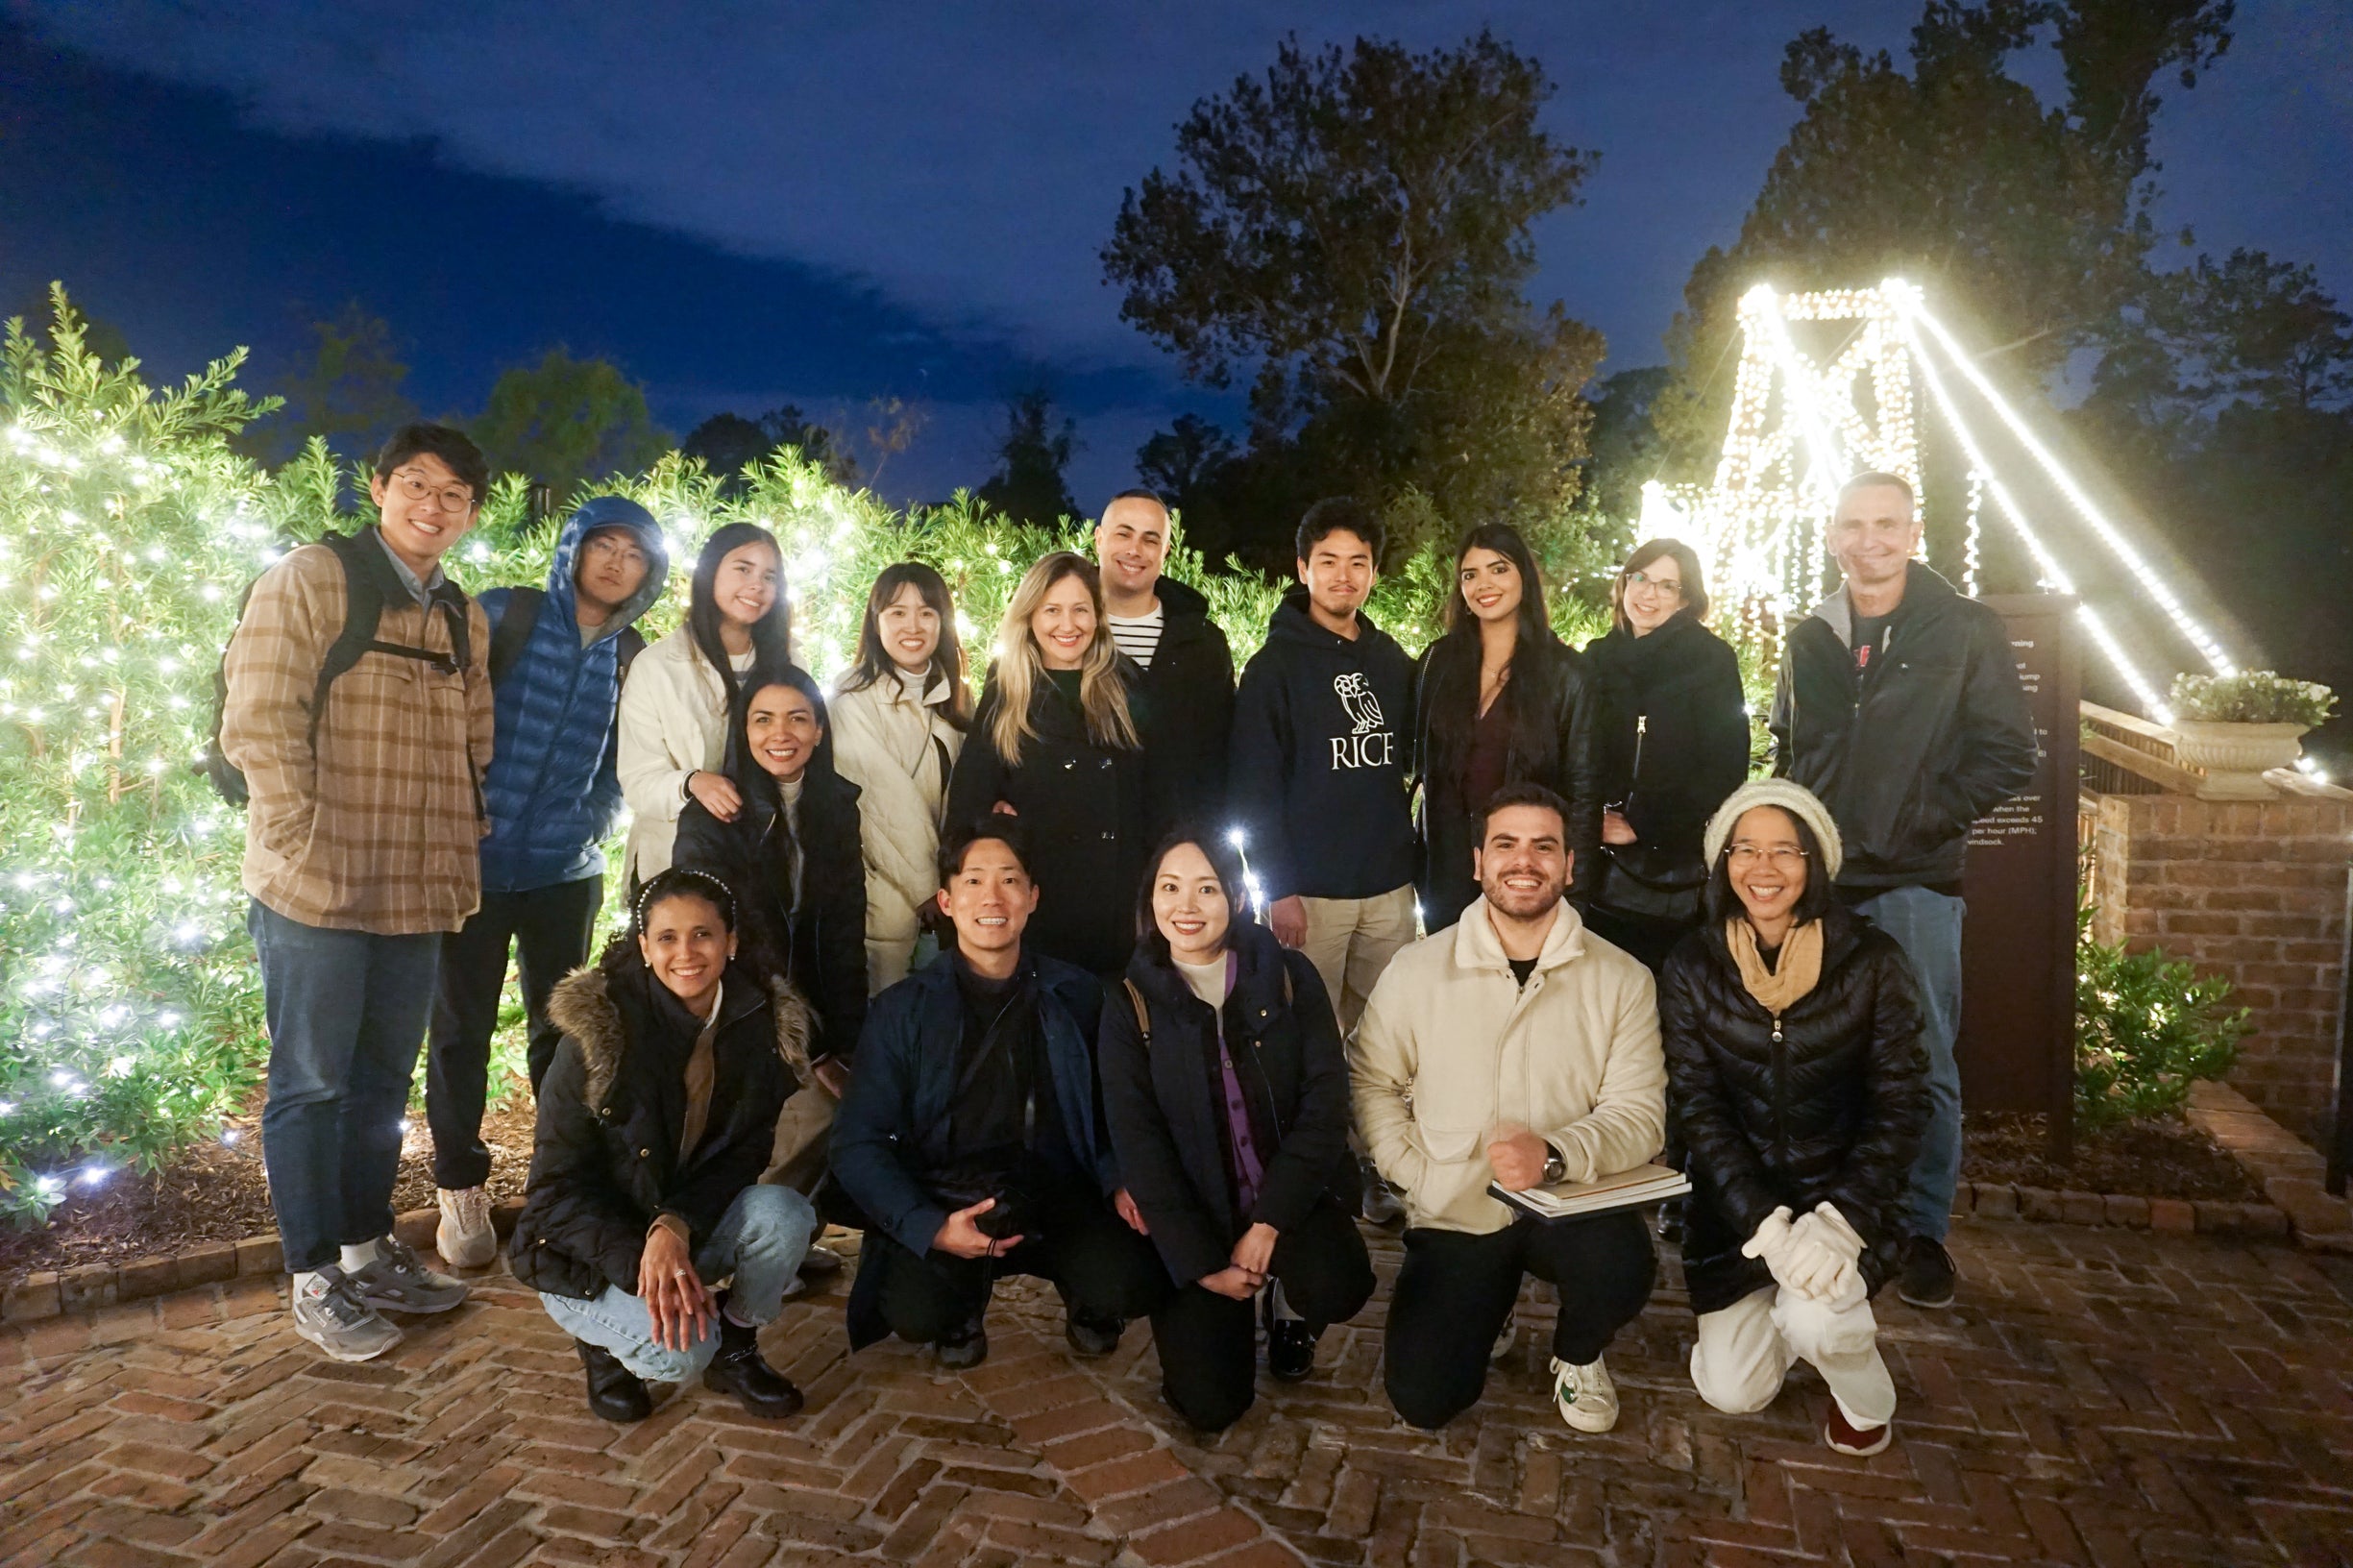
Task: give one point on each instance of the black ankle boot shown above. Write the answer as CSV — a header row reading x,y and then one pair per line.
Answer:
x,y
614,1391
738,1369
1094,1337
1291,1350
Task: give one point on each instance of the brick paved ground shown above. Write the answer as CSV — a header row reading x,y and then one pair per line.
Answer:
x,y
2103,1398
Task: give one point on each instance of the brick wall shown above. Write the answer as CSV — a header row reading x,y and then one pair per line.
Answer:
x,y
2256,891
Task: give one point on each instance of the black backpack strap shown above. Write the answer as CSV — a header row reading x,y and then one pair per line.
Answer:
x,y
514,630
627,647
363,605
369,582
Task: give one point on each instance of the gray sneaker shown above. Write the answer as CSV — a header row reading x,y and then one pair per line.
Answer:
x,y
329,1313
399,1282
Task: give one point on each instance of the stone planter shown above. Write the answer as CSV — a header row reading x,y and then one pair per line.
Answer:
x,y
2236,757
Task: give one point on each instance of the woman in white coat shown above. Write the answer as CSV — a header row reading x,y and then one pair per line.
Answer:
x,y
675,707
899,716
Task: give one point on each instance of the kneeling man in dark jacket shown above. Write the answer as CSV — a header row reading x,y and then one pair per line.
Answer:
x,y
971,1136
654,1124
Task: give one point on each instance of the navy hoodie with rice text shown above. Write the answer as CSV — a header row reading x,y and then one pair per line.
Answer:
x,y
1319,764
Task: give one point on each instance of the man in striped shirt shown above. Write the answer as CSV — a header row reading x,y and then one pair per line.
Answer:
x,y
1187,669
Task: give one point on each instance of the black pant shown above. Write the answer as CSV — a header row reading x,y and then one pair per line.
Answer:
x,y
551,929
1101,1268
1455,1289
1208,1342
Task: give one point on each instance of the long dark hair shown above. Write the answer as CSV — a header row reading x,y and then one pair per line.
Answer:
x,y
1724,904
772,635
1453,659
1224,860
875,661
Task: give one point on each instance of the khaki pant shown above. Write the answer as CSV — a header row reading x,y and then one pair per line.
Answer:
x,y
1351,940
1746,1350
799,1161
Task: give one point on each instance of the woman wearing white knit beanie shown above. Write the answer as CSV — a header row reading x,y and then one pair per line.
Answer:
x,y
1798,1082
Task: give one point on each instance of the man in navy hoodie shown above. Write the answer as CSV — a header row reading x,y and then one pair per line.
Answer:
x,y
556,662
1317,763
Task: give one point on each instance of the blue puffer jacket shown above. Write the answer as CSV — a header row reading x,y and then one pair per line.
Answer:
x,y
552,791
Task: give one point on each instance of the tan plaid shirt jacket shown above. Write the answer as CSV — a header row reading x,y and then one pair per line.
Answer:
x,y
381,829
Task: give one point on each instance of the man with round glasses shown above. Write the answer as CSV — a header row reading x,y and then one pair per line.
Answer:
x,y
358,709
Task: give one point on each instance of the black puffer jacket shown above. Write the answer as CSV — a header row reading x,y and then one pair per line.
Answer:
x,y
610,1112
1165,1101
1826,1106
1552,744
1911,750
1090,811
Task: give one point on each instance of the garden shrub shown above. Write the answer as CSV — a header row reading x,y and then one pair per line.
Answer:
x,y
130,1005
2146,1028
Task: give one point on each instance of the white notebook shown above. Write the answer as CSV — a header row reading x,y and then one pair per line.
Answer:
x,y
1627,1189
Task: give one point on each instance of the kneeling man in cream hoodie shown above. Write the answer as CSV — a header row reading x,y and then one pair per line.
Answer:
x,y
1515,1048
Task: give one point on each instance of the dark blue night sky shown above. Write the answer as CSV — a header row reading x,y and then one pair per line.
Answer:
x,y
823,203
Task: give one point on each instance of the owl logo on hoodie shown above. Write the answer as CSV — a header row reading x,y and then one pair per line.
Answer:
x,y
1356,694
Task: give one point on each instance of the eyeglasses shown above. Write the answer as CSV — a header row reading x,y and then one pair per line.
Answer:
x,y
453,497
616,545
1637,581
1787,857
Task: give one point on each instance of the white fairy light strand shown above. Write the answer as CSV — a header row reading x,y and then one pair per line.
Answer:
x,y
1913,307
2053,574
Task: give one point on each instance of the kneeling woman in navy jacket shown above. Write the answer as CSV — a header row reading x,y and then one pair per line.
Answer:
x,y
1226,1091
654,1124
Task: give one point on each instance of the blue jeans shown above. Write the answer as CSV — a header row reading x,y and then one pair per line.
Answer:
x,y
347,1011
760,1239
1927,926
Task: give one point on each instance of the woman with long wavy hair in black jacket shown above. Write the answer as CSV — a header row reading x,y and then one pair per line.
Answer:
x,y
1798,1081
1500,700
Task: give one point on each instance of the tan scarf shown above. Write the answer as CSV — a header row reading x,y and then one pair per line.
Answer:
x,y
1778,989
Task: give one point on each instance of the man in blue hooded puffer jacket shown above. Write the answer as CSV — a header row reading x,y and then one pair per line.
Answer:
x,y
552,797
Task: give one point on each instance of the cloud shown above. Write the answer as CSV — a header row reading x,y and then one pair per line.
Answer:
x,y
964,160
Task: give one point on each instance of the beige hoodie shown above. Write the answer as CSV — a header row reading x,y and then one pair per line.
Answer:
x,y
1451,1045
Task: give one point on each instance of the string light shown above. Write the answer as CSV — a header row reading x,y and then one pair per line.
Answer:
x,y
2054,574
1969,540
1914,309
1798,427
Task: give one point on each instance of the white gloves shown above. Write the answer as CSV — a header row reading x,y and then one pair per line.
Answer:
x,y
1818,1256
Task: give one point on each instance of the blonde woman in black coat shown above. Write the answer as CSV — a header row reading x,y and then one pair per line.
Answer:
x,y
1058,740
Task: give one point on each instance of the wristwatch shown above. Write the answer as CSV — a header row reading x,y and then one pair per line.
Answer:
x,y
1555,1170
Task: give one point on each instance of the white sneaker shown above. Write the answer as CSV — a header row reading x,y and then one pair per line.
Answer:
x,y
1505,1336
1588,1399
466,1238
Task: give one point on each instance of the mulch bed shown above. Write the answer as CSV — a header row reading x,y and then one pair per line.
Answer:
x,y
216,1193
2150,1158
